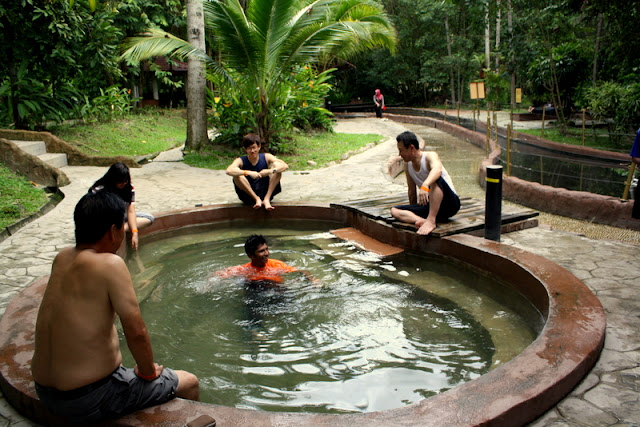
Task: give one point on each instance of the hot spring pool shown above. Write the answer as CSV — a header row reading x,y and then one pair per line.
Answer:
x,y
375,334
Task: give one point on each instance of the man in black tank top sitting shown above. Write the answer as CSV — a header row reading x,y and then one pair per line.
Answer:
x,y
432,196
256,176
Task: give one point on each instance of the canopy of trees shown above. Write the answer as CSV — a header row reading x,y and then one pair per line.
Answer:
x,y
558,51
259,46
57,57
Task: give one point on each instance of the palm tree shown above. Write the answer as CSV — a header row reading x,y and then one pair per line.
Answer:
x,y
259,45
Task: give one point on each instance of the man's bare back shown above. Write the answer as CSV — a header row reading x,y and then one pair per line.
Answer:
x,y
86,342
76,364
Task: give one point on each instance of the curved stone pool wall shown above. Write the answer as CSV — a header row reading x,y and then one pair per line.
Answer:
x,y
512,394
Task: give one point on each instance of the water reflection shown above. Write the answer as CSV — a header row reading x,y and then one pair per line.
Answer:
x,y
366,340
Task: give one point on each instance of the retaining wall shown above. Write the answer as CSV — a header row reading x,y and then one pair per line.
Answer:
x,y
56,145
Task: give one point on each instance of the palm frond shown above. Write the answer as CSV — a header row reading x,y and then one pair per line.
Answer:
x,y
155,43
227,21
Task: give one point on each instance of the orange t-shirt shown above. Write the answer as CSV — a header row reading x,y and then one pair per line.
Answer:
x,y
271,271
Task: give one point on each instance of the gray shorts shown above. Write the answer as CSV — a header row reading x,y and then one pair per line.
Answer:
x,y
146,215
119,394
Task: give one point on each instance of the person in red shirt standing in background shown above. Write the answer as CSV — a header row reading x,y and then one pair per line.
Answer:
x,y
378,99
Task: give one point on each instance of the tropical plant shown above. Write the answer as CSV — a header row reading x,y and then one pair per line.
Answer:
x,y
306,98
258,46
303,93
50,47
611,100
112,103
29,102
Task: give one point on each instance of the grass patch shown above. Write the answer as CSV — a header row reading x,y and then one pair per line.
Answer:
x,y
321,148
18,197
148,131
600,138
324,148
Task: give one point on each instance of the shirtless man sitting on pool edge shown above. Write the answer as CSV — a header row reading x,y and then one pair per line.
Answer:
x,y
77,360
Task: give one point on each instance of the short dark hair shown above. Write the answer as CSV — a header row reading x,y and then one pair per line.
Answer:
x,y
249,139
95,213
253,242
408,138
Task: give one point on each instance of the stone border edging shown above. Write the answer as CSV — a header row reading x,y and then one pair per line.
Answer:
x,y
55,198
56,145
30,166
580,205
513,394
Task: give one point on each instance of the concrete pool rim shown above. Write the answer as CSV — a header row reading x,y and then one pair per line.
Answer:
x,y
513,394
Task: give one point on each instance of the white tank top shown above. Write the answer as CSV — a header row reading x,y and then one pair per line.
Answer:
x,y
421,175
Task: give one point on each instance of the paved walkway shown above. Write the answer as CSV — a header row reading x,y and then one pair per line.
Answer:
x,y
609,394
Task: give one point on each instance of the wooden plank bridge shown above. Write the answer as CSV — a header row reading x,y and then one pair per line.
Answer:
x,y
470,219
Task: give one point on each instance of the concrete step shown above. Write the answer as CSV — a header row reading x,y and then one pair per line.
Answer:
x,y
57,160
35,148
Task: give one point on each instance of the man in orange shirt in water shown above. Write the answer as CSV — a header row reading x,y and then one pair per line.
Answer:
x,y
261,269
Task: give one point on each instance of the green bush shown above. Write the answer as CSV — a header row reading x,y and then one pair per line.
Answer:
x,y
34,100
618,101
300,104
112,103
306,99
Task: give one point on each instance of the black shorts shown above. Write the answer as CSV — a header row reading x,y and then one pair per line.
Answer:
x,y
119,394
449,207
260,187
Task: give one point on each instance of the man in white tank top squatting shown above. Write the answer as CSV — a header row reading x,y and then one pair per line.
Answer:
x,y
432,196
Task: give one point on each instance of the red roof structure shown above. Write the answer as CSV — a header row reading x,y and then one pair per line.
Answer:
x,y
165,65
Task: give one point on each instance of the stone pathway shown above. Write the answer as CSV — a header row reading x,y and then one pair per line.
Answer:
x,y
609,395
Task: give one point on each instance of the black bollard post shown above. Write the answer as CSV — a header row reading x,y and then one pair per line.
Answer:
x,y
493,203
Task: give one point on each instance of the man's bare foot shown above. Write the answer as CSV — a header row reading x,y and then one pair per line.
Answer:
x,y
426,228
267,205
258,204
419,222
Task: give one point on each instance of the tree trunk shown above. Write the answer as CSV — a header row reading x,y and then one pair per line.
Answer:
x,y
487,47
512,61
498,22
451,77
594,77
196,82
487,37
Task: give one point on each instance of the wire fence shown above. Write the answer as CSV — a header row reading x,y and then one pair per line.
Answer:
x,y
610,177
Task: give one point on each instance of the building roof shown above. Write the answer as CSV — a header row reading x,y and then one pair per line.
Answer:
x,y
168,65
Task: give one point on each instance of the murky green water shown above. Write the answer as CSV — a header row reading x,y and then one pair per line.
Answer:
x,y
376,334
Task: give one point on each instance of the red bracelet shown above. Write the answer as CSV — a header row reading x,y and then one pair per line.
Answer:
x,y
244,173
425,189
